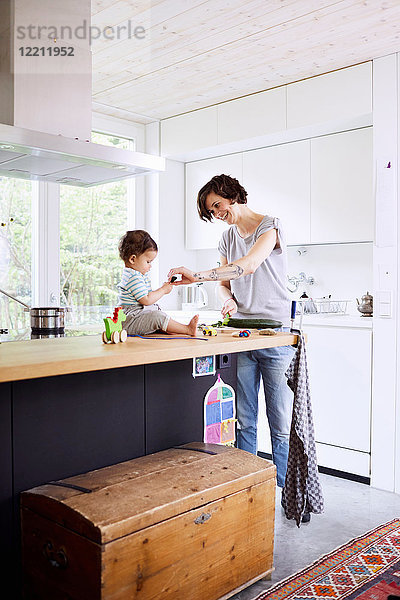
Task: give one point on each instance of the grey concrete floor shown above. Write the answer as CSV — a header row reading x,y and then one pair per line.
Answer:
x,y
351,509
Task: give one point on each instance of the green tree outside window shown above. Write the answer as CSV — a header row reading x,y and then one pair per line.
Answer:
x,y
15,250
92,221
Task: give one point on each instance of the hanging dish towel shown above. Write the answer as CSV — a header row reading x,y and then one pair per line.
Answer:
x,y
302,491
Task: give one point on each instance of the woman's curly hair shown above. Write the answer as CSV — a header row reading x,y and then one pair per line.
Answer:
x,y
135,242
224,186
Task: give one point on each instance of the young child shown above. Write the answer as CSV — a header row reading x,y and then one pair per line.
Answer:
x,y
138,301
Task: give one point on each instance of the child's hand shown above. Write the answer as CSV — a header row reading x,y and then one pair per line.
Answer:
x,y
167,287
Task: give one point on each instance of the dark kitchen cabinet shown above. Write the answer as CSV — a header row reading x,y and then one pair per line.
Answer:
x,y
174,401
6,504
56,427
71,424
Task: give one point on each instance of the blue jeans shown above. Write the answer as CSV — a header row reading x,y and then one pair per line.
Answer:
x,y
270,364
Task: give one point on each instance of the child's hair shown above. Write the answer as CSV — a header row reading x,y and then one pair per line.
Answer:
x,y
135,242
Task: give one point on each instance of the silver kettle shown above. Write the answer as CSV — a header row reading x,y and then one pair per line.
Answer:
x,y
194,296
365,307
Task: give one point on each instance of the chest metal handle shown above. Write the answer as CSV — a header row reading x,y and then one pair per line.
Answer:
x,y
202,518
57,559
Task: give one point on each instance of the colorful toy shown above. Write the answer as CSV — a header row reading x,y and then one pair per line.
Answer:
x,y
219,414
114,332
209,330
242,333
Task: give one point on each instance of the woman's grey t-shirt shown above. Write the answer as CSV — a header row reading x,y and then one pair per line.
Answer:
x,y
262,294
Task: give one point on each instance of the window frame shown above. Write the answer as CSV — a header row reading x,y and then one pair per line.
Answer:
x,y
45,282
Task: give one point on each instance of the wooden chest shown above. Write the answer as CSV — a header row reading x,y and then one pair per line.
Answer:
x,y
190,523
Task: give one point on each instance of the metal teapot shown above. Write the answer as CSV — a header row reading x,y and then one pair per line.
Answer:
x,y
365,307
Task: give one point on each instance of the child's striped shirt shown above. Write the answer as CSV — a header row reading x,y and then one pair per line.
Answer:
x,y
133,286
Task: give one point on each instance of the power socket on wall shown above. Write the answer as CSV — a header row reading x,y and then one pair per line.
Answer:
x,y
223,361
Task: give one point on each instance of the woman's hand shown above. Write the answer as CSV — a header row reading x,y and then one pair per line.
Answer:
x,y
187,276
229,307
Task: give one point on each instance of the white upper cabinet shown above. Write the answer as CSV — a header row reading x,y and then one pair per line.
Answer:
x,y
342,206
201,234
277,180
342,94
336,101
321,189
188,132
254,115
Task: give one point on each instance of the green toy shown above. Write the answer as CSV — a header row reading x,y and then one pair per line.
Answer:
x,y
114,332
223,323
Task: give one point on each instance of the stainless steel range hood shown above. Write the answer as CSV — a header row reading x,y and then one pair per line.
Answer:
x,y
46,101
28,154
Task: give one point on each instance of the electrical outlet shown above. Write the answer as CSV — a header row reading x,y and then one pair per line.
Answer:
x,y
224,360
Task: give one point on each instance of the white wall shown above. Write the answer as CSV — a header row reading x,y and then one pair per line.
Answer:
x,y
171,241
386,372
342,270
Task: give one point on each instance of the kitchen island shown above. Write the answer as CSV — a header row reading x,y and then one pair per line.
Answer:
x,y
60,356
70,405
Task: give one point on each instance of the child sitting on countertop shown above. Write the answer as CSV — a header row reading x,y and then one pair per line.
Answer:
x,y
138,301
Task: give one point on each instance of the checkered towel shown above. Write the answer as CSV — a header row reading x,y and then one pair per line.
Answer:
x,y
302,490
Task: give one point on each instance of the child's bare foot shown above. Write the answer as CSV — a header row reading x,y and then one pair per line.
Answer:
x,y
192,326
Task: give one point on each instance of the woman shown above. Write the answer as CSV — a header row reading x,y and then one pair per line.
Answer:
x,y
252,284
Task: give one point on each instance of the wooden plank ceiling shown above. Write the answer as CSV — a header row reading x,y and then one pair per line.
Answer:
x,y
195,53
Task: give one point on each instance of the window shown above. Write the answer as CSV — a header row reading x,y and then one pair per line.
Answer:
x,y
15,251
112,140
92,220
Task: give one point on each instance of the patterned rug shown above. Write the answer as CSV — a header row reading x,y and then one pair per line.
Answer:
x,y
366,568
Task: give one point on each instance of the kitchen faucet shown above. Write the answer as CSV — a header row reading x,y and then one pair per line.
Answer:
x,y
296,280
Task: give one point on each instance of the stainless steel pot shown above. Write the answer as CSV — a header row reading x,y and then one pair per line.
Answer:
x,y
42,334
48,319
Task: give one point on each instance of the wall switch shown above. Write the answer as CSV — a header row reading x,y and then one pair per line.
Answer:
x,y
385,304
385,310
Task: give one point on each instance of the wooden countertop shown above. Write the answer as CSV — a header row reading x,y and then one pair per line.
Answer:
x,y
59,356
